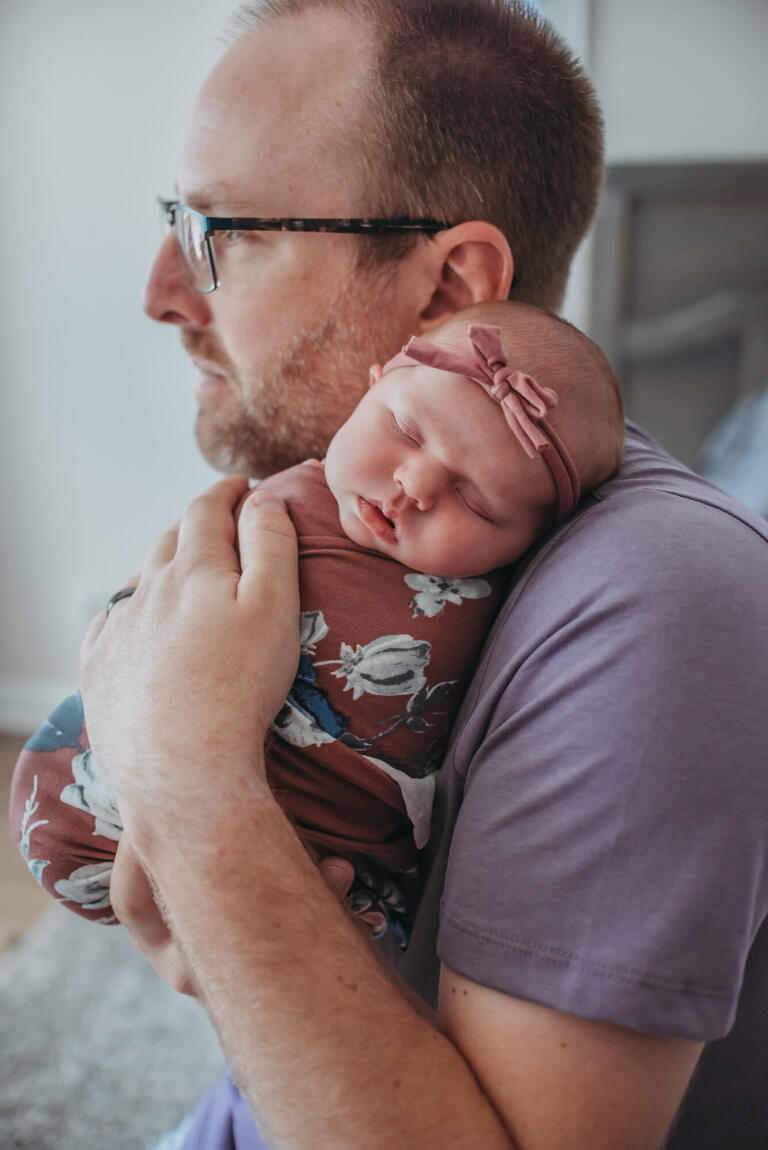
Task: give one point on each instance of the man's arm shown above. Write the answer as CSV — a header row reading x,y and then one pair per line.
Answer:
x,y
323,1022
304,1010
559,1081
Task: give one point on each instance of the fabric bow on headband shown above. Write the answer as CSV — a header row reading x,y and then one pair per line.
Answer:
x,y
525,403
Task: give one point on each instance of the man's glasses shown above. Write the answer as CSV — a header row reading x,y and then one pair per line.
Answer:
x,y
194,234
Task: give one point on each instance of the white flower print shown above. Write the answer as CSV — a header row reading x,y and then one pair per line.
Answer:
x,y
92,792
418,796
298,727
312,628
30,810
37,866
31,807
88,885
434,591
389,665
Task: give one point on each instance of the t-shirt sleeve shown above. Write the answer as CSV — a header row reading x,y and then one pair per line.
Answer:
x,y
608,859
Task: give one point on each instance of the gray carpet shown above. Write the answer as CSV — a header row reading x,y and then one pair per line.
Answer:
x,y
95,1051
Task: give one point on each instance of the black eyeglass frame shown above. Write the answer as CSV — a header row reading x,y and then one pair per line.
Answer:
x,y
372,226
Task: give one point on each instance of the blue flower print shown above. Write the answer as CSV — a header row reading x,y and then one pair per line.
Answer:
x,y
298,728
62,729
307,718
376,899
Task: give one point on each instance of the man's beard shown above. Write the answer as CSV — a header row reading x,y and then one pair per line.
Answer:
x,y
303,395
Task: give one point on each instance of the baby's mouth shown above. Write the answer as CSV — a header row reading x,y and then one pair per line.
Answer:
x,y
376,521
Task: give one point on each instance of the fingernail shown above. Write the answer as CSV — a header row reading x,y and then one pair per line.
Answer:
x,y
259,498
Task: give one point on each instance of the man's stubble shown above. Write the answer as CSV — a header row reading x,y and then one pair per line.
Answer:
x,y
291,410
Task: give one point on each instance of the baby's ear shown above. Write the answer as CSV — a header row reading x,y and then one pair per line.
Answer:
x,y
374,374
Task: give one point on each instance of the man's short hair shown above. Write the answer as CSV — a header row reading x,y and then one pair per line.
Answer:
x,y
476,110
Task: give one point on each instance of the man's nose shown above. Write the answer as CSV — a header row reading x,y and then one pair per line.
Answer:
x,y
168,296
420,481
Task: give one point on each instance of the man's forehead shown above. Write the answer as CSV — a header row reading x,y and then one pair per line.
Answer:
x,y
271,118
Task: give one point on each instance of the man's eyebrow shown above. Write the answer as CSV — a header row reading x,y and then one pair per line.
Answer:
x,y
200,201
203,199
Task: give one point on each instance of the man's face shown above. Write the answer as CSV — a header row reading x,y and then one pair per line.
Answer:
x,y
282,346
427,471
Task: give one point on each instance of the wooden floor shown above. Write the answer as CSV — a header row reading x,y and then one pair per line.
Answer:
x,y
21,899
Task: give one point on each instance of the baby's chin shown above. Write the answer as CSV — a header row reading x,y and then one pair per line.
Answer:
x,y
446,565
447,570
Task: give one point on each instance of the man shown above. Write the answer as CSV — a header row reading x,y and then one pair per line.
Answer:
x,y
600,823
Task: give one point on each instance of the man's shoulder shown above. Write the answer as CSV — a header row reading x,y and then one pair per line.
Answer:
x,y
648,472
656,519
655,555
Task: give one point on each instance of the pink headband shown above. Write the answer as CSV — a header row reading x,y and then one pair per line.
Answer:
x,y
524,402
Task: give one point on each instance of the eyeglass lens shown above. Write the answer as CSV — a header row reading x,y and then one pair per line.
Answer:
x,y
189,234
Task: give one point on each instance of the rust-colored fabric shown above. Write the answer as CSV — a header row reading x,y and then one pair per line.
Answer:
x,y
386,656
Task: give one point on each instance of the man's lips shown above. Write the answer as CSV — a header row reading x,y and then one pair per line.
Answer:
x,y
210,378
374,519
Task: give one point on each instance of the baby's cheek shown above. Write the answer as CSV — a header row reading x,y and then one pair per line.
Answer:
x,y
333,465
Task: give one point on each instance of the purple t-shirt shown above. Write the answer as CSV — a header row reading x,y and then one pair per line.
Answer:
x,y
600,829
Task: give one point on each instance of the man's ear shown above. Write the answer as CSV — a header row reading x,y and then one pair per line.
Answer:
x,y
374,374
469,263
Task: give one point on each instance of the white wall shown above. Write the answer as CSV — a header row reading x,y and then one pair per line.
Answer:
x,y
682,79
96,450
678,80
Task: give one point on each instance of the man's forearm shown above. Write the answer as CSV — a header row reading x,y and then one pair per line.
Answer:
x,y
322,1043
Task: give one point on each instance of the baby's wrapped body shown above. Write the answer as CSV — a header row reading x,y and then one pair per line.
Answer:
x,y
386,655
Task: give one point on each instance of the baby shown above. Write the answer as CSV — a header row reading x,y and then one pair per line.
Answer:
x,y
468,448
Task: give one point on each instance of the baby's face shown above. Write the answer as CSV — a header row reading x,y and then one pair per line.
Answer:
x,y
427,471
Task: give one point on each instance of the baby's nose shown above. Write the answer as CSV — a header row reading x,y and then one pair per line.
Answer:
x,y
420,483
398,500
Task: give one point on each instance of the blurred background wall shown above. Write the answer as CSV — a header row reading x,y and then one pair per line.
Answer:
x,y
96,448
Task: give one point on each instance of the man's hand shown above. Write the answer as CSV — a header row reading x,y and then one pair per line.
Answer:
x,y
185,673
134,901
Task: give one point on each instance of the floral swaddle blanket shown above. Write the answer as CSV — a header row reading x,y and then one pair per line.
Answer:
x,y
386,655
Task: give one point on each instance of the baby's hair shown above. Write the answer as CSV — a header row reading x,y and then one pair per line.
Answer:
x,y
589,415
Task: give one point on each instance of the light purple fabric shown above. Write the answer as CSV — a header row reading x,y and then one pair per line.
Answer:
x,y
600,829
222,1121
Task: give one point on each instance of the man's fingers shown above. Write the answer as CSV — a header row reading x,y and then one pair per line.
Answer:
x,y
162,553
338,873
133,900
268,592
268,547
91,635
97,624
207,529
